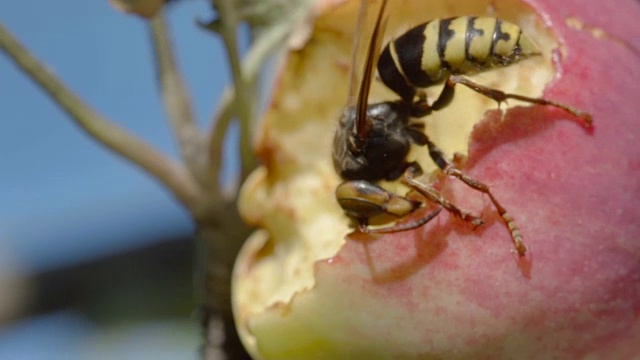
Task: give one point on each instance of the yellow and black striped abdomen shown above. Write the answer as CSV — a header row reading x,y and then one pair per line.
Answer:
x,y
428,53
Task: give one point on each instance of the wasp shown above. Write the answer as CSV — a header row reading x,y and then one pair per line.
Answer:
x,y
372,141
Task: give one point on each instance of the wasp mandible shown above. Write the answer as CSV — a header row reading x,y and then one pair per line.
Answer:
x,y
372,141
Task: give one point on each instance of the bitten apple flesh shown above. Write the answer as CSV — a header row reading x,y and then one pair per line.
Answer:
x,y
302,290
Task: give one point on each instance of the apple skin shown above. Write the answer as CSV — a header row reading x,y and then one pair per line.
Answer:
x,y
447,290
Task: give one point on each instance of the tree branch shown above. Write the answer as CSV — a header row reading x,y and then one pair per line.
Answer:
x,y
265,45
176,100
170,173
244,103
221,123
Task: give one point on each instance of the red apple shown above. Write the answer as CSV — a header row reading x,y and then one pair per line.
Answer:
x,y
303,289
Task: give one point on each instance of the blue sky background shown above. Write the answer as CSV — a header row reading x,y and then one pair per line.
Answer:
x,y
63,198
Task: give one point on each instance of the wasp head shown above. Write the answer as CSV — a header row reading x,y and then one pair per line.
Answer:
x,y
379,152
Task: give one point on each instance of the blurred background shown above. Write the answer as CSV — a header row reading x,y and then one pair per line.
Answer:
x,y
96,258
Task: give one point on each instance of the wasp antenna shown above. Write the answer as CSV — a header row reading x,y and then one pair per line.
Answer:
x,y
365,85
354,76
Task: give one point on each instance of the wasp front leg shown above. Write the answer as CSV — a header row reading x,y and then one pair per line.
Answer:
x,y
449,169
430,193
362,201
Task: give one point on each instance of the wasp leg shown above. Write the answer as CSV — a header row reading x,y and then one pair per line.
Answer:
x,y
449,169
445,97
421,107
433,195
500,96
401,227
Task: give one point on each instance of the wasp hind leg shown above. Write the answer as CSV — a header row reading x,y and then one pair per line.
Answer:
x,y
500,97
421,106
